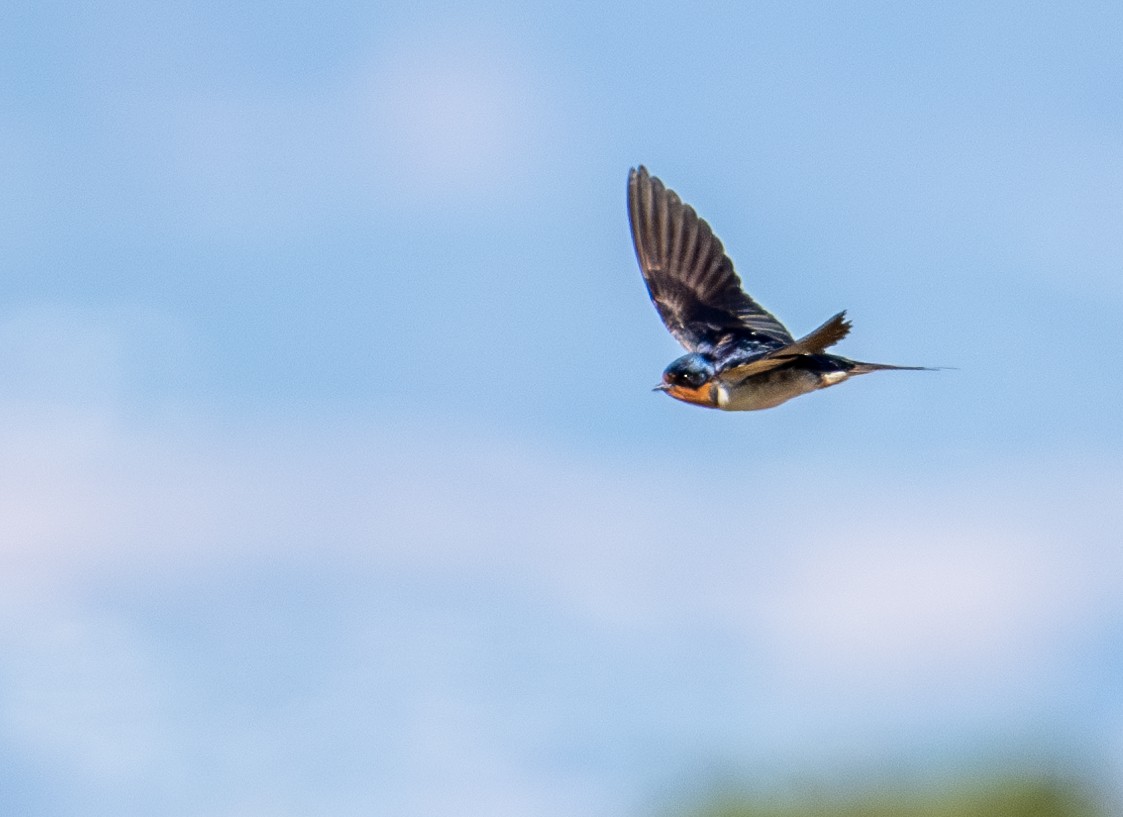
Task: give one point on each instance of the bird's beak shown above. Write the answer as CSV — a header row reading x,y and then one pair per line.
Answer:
x,y
662,387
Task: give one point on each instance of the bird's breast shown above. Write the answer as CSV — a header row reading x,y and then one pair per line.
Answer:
x,y
765,390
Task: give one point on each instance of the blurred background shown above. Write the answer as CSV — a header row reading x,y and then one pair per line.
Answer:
x,y
331,480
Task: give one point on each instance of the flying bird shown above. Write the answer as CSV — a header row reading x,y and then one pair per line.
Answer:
x,y
739,356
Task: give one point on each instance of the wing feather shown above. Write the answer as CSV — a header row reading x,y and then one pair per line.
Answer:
x,y
813,343
689,277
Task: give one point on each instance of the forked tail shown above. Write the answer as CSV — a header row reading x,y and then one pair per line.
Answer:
x,y
866,368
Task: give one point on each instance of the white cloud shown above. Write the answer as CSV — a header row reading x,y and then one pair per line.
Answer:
x,y
903,593
845,614
79,692
846,585
456,116
424,119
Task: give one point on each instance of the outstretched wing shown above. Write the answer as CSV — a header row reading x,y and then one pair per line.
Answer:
x,y
689,277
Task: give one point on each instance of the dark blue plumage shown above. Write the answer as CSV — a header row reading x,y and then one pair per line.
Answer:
x,y
740,357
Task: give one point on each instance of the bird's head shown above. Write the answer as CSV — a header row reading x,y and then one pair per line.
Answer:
x,y
689,379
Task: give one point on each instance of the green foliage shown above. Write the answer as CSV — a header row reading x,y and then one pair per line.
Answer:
x,y
1005,797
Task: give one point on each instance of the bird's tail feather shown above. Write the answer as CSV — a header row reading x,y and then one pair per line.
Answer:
x,y
866,368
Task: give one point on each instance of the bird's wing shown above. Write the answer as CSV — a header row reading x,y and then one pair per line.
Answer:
x,y
689,277
822,338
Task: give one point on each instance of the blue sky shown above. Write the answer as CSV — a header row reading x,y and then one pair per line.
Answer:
x,y
332,481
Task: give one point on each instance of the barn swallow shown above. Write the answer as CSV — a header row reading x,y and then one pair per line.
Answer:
x,y
739,357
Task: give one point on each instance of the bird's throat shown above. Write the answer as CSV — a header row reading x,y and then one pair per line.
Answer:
x,y
704,395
